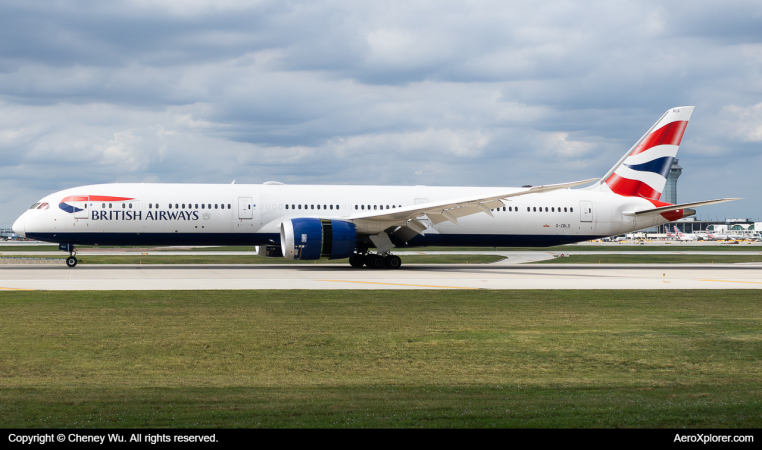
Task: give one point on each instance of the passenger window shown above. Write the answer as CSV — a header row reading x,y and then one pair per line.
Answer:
x,y
196,206
104,206
527,209
393,206
546,209
337,206
324,207
355,206
109,205
202,206
331,206
312,206
170,206
362,207
286,206
509,209
571,209
552,209
215,206
122,205
300,206
183,205
534,208
565,210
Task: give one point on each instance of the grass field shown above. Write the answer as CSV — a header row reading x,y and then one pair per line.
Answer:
x,y
253,259
381,359
653,259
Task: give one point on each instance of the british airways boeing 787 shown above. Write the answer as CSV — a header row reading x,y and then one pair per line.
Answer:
x,y
313,222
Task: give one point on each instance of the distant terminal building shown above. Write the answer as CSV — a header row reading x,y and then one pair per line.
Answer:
x,y
670,189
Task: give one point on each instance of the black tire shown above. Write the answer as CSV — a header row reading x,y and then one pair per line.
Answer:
x,y
356,261
374,262
392,262
71,261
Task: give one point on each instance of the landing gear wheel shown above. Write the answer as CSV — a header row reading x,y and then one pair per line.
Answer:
x,y
374,261
392,262
356,260
71,261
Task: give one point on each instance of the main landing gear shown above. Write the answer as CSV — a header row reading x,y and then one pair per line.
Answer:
x,y
71,261
374,261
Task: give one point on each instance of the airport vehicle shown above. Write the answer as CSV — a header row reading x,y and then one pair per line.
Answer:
x,y
312,222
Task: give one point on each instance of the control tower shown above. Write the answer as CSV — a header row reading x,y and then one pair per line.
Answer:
x,y
670,189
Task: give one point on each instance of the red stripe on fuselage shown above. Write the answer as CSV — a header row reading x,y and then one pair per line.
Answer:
x,y
94,198
631,188
669,134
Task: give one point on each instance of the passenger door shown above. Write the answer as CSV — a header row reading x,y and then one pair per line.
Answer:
x,y
81,207
586,211
245,206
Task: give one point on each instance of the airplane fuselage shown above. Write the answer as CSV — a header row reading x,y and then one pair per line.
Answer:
x,y
200,214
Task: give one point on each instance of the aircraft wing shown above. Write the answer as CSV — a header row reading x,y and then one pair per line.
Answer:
x,y
669,208
451,209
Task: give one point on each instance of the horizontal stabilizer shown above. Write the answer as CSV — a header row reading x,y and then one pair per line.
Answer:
x,y
664,209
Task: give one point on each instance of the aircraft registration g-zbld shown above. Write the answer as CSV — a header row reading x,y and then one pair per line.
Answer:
x,y
313,222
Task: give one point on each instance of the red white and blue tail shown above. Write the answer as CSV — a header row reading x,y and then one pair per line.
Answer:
x,y
643,171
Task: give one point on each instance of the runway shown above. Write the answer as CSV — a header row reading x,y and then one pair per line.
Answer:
x,y
488,276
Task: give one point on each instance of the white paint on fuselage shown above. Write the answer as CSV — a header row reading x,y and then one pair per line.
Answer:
x,y
563,216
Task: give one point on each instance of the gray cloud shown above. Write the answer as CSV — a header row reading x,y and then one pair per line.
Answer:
x,y
447,93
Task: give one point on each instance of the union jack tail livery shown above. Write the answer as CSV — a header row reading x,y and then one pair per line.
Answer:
x,y
643,171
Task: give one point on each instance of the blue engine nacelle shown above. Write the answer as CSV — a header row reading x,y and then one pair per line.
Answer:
x,y
310,239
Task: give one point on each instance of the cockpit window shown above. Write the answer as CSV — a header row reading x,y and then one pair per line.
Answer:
x,y
34,206
43,206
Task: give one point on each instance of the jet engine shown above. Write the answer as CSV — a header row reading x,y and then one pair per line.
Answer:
x,y
311,238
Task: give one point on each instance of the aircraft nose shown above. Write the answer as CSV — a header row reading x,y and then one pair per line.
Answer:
x,y
18,227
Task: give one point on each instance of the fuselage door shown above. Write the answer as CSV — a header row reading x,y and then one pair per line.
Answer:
x,y
81,207
245,206
586,211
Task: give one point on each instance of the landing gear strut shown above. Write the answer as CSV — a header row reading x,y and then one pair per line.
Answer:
x,y
375,261
71,261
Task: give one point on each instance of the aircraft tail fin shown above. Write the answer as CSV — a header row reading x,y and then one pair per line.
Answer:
x,y
643,170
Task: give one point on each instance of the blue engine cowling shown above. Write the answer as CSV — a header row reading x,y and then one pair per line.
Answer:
x,y
311,238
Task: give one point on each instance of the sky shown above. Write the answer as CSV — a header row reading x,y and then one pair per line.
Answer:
x,y
464,93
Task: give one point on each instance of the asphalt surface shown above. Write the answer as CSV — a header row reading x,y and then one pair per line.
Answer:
x,y
449,276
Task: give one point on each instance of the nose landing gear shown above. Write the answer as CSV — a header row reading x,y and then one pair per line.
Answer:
x,y
71,261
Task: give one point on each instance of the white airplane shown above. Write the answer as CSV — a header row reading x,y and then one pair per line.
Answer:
x,y
725,237
680,236
313,222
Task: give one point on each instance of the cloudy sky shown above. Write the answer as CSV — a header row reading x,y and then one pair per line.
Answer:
x,y
486,93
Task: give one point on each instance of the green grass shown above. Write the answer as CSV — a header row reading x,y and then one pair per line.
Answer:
x,y
653,259
381,359
253,259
